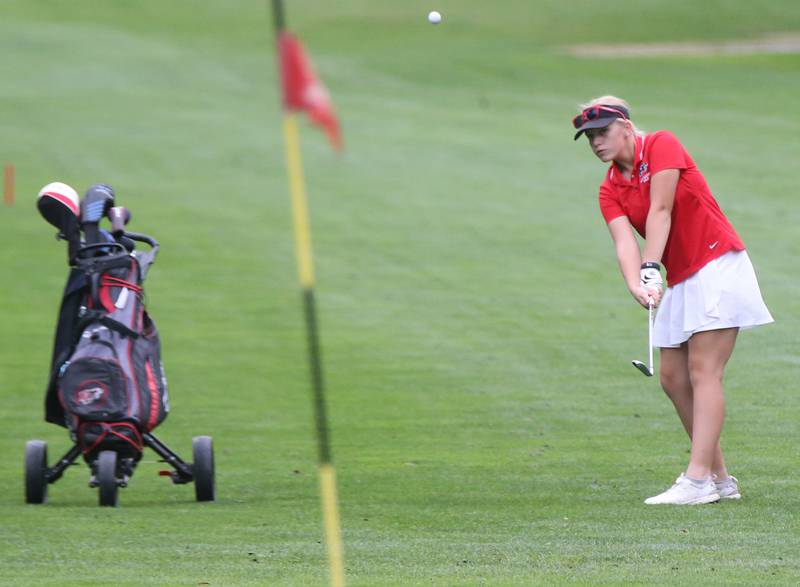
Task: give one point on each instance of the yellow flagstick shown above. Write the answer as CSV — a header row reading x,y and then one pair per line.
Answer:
x,y
297,189
302,231
305,267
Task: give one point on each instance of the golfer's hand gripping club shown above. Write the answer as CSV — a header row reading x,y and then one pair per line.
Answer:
x,y
650,276
650,285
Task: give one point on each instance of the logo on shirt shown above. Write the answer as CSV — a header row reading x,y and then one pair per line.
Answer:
x,y
644,176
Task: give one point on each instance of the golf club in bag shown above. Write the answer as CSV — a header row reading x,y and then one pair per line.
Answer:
x,y
107,384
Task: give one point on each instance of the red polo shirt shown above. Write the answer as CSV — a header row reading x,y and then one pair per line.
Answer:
x,y
699,231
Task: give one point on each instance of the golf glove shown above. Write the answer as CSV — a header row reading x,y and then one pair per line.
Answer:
x,y
650,276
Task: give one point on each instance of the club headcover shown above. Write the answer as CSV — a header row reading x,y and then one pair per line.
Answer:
x,y
96,203
57,202
119,216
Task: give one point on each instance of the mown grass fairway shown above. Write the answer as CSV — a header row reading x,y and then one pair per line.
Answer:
x,y
487,426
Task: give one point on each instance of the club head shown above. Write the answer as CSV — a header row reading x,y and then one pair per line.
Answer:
x,y
642,367
96,203
58,203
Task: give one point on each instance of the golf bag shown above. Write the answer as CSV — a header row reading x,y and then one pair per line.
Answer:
x,y
107,383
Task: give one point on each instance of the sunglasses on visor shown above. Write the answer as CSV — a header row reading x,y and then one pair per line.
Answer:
x,y
595,112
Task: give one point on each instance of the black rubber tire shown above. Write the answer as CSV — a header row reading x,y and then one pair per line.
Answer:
x,y
107,478
35,468
205,487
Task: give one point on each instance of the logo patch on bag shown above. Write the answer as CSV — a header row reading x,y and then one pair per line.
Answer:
x,y
89,393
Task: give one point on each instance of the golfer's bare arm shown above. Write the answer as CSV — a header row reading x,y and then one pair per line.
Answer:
x,y
627,248
659,218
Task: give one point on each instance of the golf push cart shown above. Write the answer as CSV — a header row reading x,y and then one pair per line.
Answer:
x,y
107,383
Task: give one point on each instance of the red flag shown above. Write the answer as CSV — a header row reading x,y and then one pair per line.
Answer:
x,y
302,90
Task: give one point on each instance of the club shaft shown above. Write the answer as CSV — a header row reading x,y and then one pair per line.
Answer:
x,y
650,335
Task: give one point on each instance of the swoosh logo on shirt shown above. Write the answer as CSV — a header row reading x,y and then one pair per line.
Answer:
x,y
711,246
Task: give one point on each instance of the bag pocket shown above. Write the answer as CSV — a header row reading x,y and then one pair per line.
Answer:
x,y
150,378
94,388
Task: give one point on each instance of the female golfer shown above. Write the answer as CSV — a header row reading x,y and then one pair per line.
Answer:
x,y
654,186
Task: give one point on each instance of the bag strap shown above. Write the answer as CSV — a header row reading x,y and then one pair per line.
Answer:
x,y
98,316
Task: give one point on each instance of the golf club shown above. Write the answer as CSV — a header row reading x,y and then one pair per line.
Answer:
x,y
647,369
95,204
119,216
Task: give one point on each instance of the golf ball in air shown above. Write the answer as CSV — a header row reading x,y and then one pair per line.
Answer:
x,y
434,17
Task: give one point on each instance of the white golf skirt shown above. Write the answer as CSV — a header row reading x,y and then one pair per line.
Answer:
x,y
723,294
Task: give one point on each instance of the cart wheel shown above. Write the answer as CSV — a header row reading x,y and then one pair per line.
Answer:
x,y
107,478
35,468
203,468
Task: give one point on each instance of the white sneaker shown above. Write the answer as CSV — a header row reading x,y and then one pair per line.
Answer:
x,y
728,488
685,492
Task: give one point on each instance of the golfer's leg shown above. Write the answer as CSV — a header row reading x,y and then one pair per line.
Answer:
x,y
708,354
677,385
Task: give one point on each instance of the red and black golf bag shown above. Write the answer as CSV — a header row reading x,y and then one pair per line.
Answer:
x,y
107,383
